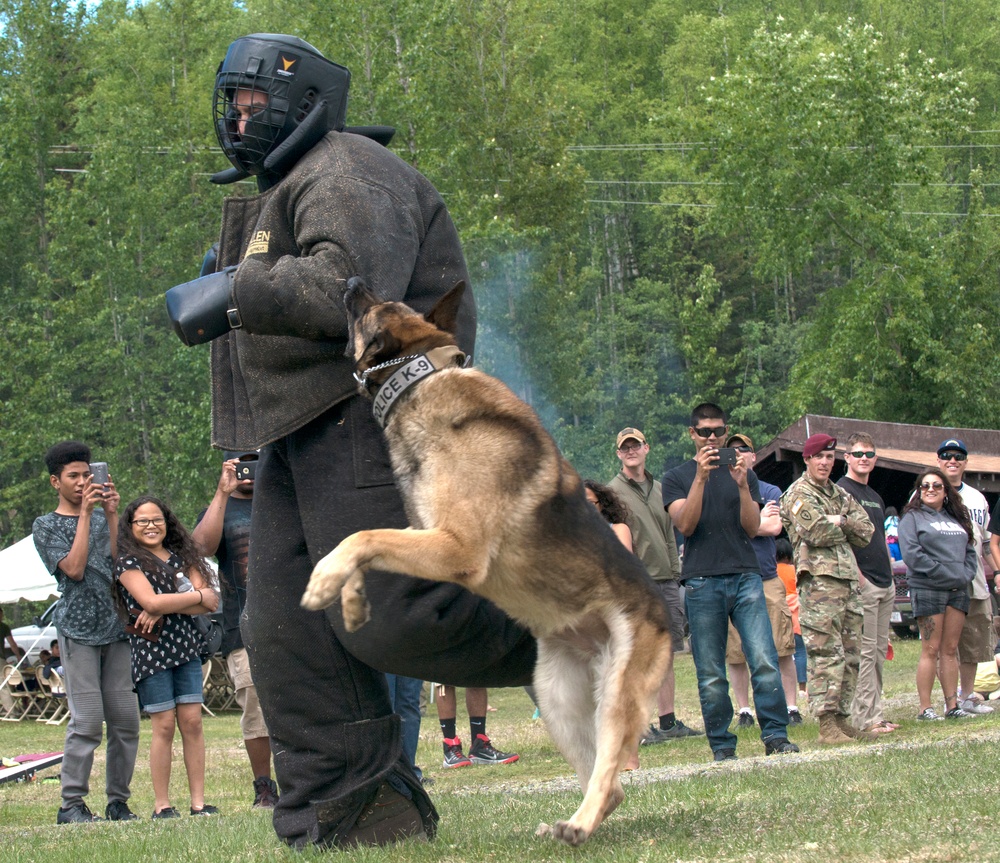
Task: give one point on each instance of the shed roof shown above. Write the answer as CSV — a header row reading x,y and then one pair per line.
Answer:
x,y
904,450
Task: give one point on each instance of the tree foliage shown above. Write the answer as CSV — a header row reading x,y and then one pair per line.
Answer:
x,y
662,202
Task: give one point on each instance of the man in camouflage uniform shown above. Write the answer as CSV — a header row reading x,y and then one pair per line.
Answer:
x,y
823,522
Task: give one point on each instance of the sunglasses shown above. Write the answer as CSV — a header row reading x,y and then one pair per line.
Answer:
x,y
743,448
931,486
863,453
714,431
948,456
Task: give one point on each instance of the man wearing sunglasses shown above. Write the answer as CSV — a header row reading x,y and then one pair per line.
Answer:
x,y
823,523
717,508
878,590
976,643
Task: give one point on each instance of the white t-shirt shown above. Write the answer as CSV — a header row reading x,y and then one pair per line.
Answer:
x,y
979,512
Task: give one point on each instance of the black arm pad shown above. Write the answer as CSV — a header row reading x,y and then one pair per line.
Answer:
x,y
198,309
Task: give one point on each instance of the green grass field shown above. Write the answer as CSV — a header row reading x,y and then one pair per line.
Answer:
x,y
924,793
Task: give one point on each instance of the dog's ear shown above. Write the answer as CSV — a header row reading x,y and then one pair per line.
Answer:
x,y
444,315
384,346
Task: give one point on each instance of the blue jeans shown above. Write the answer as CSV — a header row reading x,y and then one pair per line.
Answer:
x,y
801,660
404,696
711,603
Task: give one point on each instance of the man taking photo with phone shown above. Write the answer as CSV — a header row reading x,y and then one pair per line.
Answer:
x,y
77,544
718,510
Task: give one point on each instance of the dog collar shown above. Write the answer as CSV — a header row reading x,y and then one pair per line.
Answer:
x,y
415,368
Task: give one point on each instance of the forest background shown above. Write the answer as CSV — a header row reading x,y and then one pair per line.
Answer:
x,y
782,207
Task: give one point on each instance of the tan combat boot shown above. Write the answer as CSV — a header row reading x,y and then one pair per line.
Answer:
x,y
844,724
829,732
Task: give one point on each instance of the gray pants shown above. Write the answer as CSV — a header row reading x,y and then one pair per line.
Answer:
x,y
98,690
878,602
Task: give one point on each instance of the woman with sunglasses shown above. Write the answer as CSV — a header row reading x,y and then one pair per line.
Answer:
x,y
163,581
935,537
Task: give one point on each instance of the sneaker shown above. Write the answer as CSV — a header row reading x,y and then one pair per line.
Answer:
x,y
117,810
206,809
971,705
745,720
929,715
779,746
652,736
389,817
453,755
678,730
78,814
957,713
725,755
168,812
794,717
482,752
265,793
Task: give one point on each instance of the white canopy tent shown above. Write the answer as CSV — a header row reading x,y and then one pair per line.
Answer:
x,y
23,575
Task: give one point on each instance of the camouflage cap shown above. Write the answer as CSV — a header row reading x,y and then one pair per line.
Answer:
x,y
740,438
627,433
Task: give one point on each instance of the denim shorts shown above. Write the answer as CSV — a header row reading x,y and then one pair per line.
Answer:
x,y
166,689
927,603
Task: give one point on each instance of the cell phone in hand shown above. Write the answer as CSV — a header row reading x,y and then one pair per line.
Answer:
x,y
245,469
99,473
727,456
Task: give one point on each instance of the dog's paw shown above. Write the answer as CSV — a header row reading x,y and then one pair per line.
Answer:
x,y
564,831
325,583
357,611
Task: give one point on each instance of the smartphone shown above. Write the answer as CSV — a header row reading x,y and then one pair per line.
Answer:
x,y
245,469
99,471
727,456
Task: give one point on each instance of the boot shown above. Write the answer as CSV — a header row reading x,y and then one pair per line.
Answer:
x,y
829,732
844,724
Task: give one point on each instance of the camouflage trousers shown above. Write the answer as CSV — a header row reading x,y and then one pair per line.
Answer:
x,y
831,617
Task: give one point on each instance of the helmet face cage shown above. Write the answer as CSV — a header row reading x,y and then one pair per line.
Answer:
x,y
263,130
282,79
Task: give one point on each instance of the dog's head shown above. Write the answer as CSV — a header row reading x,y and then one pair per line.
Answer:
x,y
381,331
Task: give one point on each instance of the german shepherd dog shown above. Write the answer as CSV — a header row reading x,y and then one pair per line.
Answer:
x,y
493,506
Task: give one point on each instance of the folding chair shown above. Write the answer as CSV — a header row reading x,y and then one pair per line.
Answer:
x,y
222,693
43,696
57,696
25,699
206,689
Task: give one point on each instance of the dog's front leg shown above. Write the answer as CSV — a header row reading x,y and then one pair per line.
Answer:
x,y
433,554
341,573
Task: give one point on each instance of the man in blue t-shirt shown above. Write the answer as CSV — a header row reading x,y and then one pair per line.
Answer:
x,y
778,611
717,509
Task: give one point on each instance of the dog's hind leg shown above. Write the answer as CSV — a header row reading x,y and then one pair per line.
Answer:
x,y
627,677
564,685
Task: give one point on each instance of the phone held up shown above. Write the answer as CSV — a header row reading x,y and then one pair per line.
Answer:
x,y
99,473
245,469
727,456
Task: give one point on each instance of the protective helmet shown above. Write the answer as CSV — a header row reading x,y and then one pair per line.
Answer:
x,y
299,96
